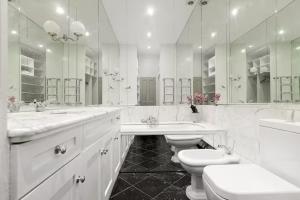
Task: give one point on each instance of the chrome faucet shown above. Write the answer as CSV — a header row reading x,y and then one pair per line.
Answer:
x,y
39,106
227,149
150,120
292,116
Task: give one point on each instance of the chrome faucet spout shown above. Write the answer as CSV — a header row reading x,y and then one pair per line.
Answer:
x,y
227,150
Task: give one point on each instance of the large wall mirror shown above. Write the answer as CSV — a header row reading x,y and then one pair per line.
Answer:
x,y
63,52
211,52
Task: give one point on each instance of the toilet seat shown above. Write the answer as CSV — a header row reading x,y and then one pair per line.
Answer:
x,y
248,182
183,137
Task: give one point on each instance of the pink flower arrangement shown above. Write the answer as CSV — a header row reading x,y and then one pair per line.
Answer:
x,y
216,98
198,99
12,99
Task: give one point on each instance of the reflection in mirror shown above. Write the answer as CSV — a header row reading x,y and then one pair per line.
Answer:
x,y
57,52
287,53
257,56
201,56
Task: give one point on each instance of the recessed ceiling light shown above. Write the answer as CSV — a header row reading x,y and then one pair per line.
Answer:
x,y
281,32
250,46
87,34
275,11
19,9
235,12
213,34
150,11
60,10
243,51
13,32
148,47
149,34
40,45
49,50
298,48
199,47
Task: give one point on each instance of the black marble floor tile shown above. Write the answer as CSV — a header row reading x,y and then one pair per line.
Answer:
x,y
131,194
150,164
149,174
137,159
139,151
172,193
133,178
119,186
126,164
167,177
150,154
183,182
134,169
168,167
152,186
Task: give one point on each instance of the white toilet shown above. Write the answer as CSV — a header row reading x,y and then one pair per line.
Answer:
x,y
194,161
182,142
246,182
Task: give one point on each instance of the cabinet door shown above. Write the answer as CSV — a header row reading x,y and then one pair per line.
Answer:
x,y
116,154
60,186
91,189
106,168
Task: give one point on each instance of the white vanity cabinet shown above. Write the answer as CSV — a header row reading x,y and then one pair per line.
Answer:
x,y
63,185
76,163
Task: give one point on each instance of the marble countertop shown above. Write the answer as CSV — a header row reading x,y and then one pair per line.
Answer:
x,y
172,128
29,124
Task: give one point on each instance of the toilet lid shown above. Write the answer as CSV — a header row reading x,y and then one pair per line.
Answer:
x,y
248,182
183,137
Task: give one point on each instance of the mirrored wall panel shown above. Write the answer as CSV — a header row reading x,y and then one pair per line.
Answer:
x,y
63,53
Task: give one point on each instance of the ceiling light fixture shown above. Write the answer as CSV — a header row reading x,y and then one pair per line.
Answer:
x,y
281,32
213,34
243,51
87,34
13,32
199,47
60,10
150,11
250,46
40,45
149,34
49,50
235,12
148,47
53,29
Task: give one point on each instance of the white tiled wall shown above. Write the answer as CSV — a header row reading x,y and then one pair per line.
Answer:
x,y
241,122
162,113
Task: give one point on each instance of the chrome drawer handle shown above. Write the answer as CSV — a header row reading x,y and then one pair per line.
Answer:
x,y
80,179
60,149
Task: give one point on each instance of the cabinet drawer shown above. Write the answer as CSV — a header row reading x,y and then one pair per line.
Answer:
x,y
100,127
34,161
60,186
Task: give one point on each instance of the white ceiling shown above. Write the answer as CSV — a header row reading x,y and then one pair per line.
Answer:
x,y
131,23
